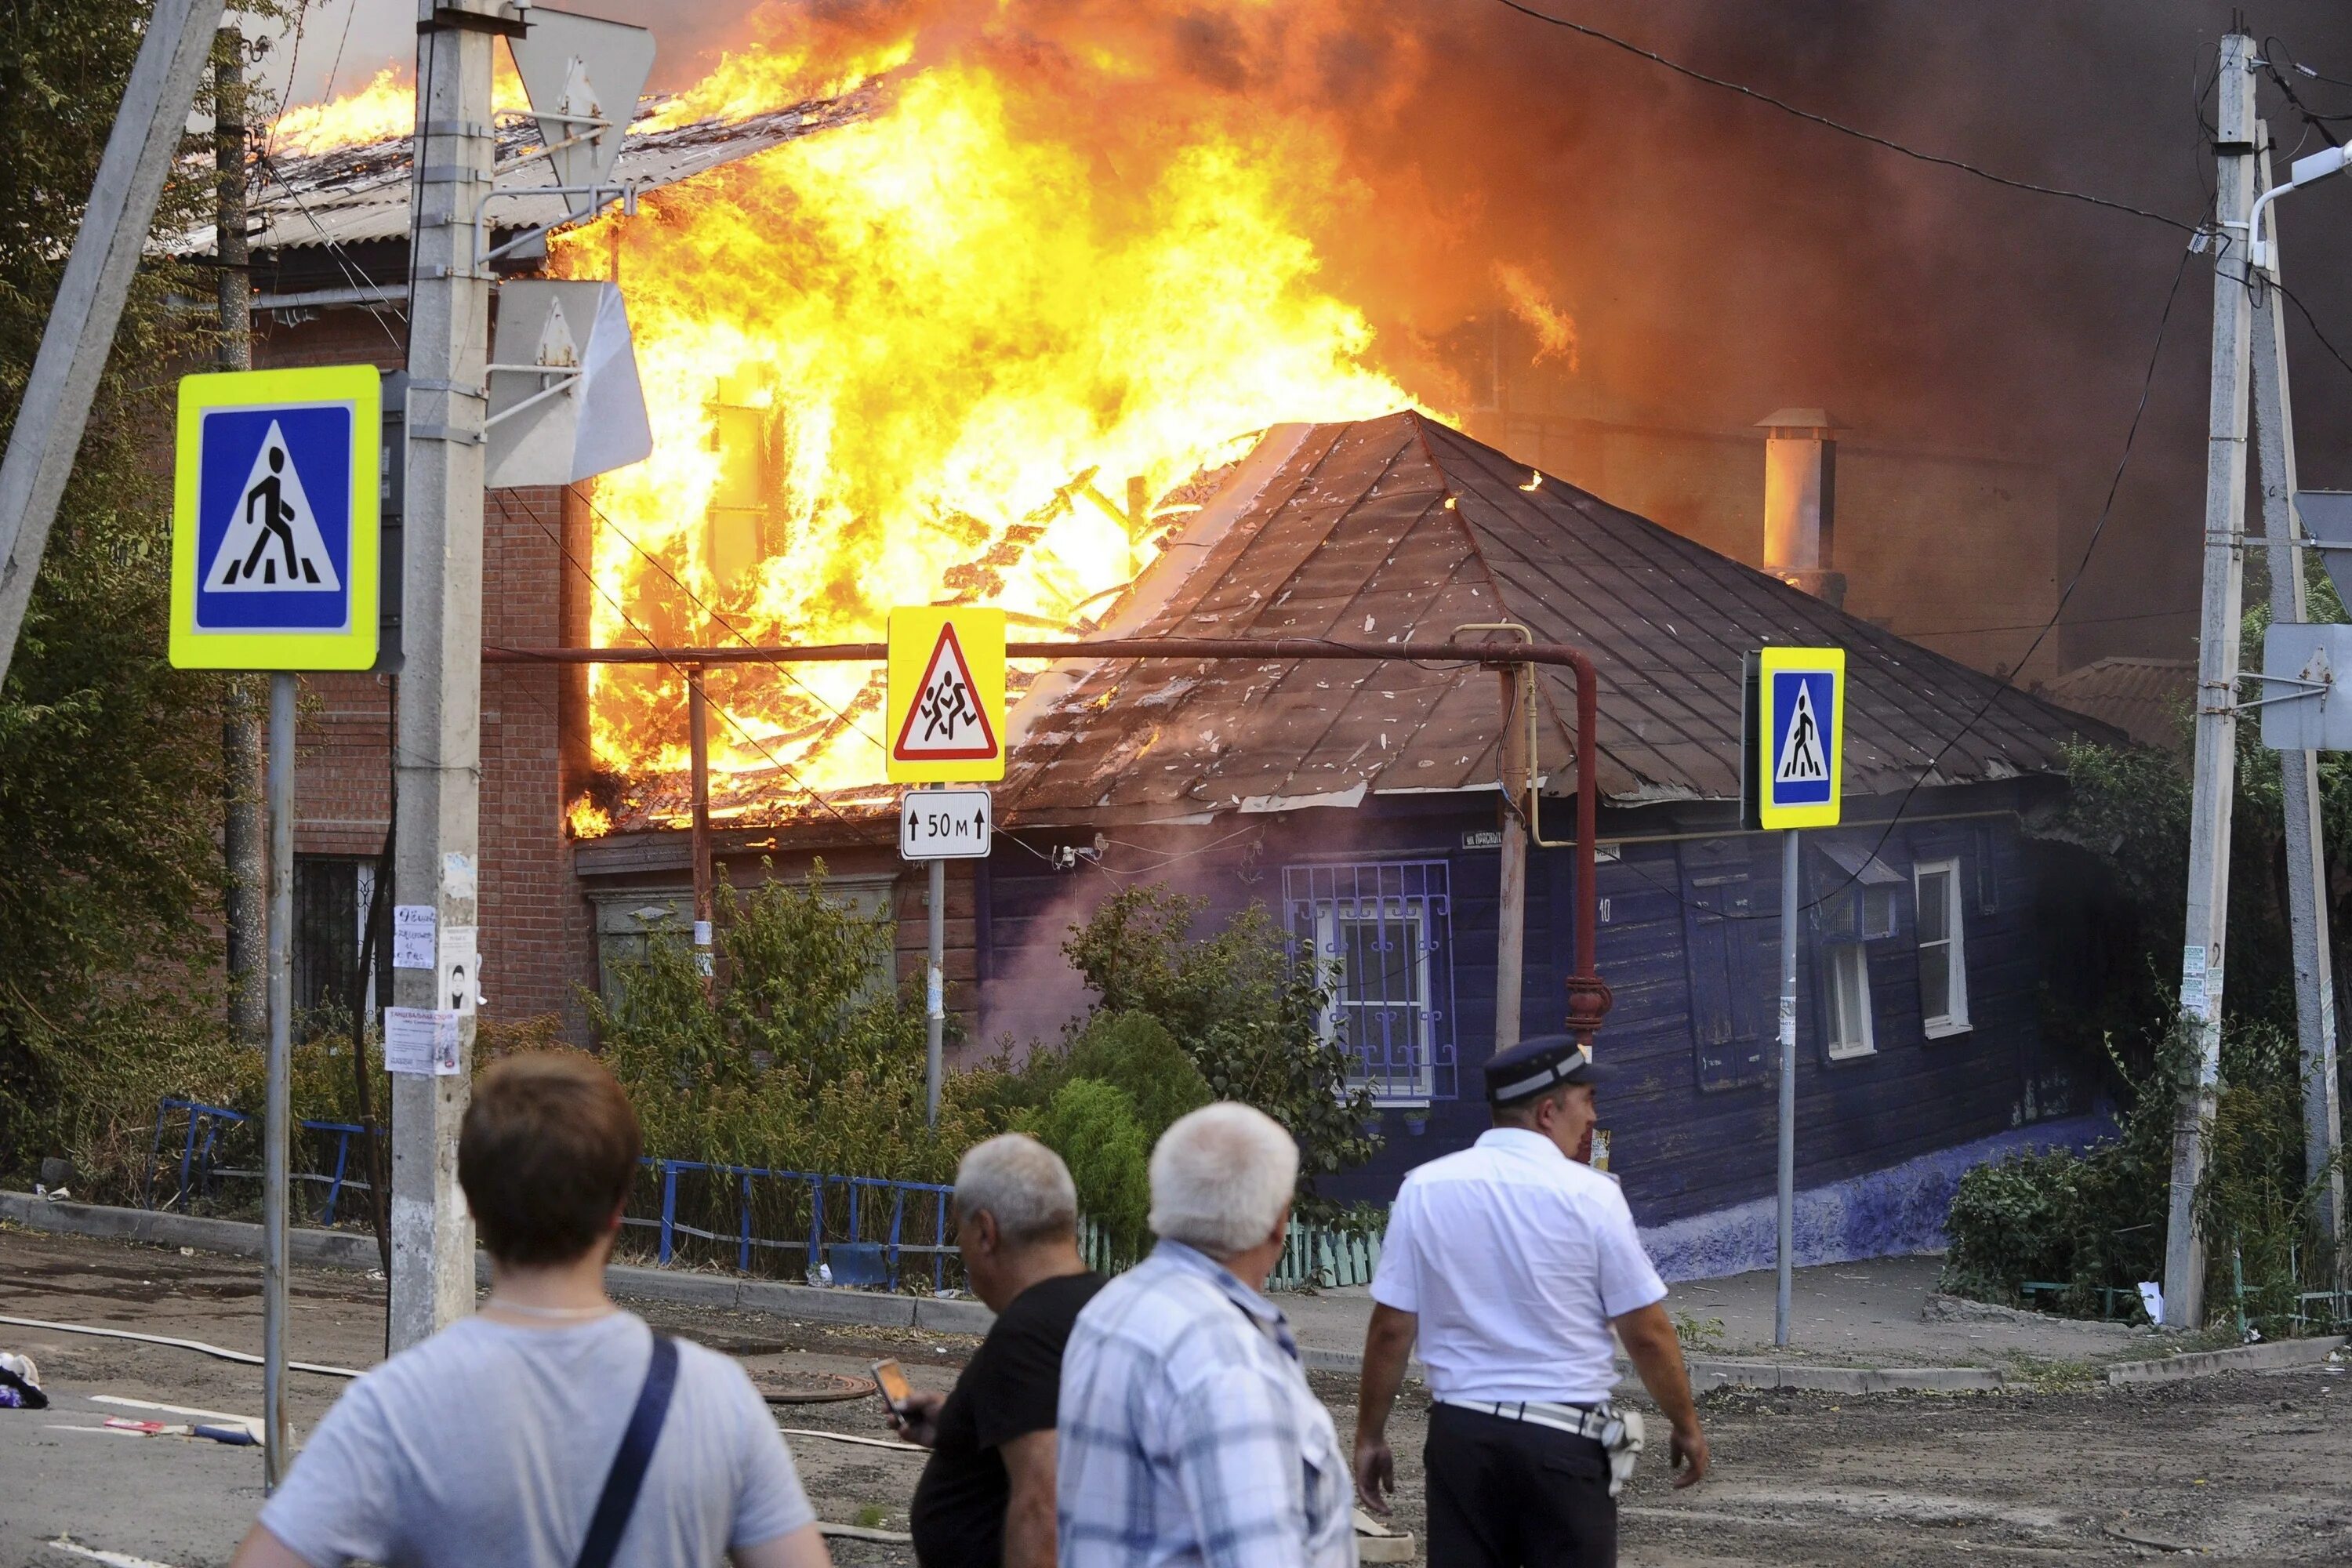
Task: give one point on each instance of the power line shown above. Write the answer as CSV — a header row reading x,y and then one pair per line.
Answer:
x,y
1843,130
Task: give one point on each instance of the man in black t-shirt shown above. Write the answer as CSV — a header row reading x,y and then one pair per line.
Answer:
x,y
987,1493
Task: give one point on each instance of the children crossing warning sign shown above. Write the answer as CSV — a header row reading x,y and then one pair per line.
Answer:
x,y
1796,726
274,520
946,696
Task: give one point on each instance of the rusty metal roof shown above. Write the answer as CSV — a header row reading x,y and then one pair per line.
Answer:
x,y
2149,697
1401,528
354,195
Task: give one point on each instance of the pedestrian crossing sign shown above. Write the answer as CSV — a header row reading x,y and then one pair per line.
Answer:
x,y
946,710
274,515
1797,737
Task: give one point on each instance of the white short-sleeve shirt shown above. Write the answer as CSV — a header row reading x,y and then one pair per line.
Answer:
x,y
1514,1257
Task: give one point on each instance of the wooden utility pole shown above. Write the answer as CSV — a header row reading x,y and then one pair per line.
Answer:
x,y
2205,935
2306,867
242,829
1517,684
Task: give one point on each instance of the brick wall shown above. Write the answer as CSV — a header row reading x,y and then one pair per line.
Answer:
x,y
535,930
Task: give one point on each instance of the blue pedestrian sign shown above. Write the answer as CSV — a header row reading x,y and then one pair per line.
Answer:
x,y
273,525
1796,764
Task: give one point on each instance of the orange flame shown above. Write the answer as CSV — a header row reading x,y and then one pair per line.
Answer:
x,y
384,109
915,359
1555,331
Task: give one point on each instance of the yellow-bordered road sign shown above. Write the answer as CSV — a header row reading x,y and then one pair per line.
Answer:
x,y
274,524
947,696
1799,765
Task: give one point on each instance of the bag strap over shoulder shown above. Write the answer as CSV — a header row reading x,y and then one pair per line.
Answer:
x,y
619,1497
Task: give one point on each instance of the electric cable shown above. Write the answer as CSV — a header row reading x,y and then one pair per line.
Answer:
x,y
1821,119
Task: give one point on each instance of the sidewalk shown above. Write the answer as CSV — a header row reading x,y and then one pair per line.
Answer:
x,y
1869,1315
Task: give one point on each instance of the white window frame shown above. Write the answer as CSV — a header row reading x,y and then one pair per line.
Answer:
x,y
1844,1048
1954,1020
1407,914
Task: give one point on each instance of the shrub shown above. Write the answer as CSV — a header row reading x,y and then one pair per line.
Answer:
x,y
1131,1051
1094,1127
1245,1009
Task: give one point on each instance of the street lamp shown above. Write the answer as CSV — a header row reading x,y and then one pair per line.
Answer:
x,y
2304,172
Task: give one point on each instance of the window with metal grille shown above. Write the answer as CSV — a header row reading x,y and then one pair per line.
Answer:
x,y
331,897
1383,932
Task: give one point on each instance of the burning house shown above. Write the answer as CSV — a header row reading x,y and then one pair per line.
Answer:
x,y
898,347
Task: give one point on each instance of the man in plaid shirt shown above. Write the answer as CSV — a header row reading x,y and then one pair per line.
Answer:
x,y
1188,1432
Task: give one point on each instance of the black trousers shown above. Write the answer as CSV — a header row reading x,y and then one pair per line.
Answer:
x,y
1511,1494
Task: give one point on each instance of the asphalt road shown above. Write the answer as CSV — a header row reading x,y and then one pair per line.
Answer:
x,y
2246,1468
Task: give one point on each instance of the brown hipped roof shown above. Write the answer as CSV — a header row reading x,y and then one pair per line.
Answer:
x,y
1400,528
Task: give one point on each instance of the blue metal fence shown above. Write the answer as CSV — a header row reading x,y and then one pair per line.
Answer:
x,y
855,1230
851,1230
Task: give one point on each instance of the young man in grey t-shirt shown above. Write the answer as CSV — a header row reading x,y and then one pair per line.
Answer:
x,y
492,1441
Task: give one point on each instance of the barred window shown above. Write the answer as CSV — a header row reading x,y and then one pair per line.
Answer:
x,y
1382,931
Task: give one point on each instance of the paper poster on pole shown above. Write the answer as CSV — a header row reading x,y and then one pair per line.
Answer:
x,y
458,971
421,1040
411,936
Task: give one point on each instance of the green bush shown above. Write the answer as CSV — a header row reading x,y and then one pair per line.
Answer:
x,y
1095,1128
1132,1051
1247,1011
788,1062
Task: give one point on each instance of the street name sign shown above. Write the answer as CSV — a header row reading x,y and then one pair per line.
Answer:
x,y
944,824
1796,738
946,711
274,520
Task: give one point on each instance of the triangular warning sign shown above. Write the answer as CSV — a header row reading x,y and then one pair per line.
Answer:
x,y
272,544
1804,754
945,723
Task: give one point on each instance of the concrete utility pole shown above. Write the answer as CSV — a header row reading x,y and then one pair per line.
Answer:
x,y
80,329
2206,929
2306,867
241,830
436,861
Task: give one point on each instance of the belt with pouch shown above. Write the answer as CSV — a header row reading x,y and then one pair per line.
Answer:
x,y
1618,1432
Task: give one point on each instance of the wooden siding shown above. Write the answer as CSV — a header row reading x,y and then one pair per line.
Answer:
x,y
1691,1103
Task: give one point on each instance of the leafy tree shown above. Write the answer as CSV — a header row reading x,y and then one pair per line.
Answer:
x,y
1131,1051
109,759
1247,1010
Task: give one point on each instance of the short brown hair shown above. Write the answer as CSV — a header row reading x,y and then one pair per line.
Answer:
x,y
546,1154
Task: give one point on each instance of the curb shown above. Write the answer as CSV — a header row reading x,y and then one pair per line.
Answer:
x,y
2244,1358
1707,1374
345,1249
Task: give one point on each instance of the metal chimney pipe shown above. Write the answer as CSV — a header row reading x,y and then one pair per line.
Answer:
x,y
1800,501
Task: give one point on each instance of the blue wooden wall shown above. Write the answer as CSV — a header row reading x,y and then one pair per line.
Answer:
x,y
1689,942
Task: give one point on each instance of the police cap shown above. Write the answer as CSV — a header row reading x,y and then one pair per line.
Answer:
x,y
1537,1065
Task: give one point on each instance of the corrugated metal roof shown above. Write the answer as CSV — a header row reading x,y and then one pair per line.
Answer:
x,y
1344,530
354,195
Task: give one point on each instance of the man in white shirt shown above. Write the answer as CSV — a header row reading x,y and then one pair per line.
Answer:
x,y
1511,1261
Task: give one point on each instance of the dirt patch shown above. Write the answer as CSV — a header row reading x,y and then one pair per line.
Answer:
x,y
2247,1468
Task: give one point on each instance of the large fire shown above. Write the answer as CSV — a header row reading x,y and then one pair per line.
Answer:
x,y
976,345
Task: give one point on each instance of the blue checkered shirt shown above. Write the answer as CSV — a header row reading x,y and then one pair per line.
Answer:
x,y
1188,1432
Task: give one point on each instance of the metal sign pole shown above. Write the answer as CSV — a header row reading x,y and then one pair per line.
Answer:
x,y
277,1450
935,995
1787,1087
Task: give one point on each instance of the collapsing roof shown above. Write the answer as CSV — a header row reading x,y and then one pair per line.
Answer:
x,y
1400,528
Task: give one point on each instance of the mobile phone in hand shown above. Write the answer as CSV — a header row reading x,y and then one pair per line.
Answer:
x,y
896,1390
